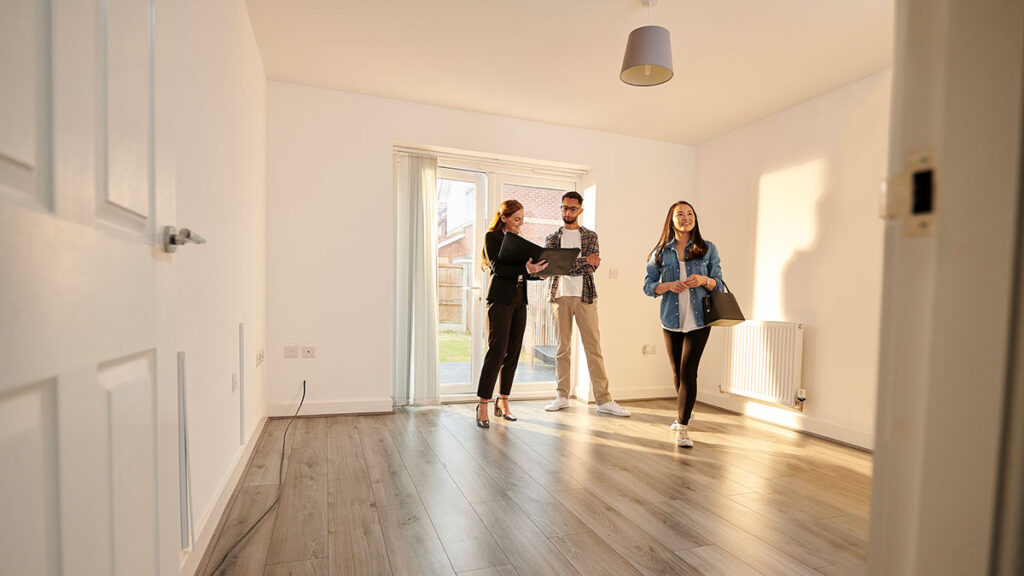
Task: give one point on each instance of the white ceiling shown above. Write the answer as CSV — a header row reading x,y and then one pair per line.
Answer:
x,y
558,61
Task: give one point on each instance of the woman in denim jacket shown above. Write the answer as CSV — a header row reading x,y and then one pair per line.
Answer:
x,y
682,316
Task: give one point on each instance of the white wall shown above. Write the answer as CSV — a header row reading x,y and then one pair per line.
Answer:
x,y
330,233
219,165
791,202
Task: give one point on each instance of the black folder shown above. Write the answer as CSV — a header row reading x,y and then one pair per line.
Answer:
x,y
517,250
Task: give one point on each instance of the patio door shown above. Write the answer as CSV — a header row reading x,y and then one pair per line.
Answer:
x,y
461,222
541,199
466,202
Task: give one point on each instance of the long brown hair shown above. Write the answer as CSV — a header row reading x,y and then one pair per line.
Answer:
x,y
668,233
507,209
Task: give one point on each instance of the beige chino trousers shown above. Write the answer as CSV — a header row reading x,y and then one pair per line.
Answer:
x,y
564,309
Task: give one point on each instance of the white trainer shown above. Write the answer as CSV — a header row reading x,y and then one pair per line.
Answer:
x,y
557,404
682,438
612,409
675,423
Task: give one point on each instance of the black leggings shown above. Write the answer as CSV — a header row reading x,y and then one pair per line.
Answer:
x,y
505,326
684,352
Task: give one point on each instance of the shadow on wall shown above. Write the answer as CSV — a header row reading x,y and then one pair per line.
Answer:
x,y
789,255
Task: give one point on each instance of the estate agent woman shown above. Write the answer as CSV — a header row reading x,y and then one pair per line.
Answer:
x,y
506,312
681,270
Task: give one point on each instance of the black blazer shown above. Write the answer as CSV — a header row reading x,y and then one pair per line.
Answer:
x,y
504,277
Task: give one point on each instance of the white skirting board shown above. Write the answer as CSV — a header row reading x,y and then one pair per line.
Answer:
x,y
641,393
207,524
376,406
794,420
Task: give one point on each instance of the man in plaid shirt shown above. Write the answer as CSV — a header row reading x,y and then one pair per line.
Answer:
x,y
572,296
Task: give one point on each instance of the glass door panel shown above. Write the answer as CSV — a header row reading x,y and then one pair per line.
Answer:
x,y
541,200
460,202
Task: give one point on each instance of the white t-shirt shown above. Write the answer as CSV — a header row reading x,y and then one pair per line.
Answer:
x,y
687,319
571,285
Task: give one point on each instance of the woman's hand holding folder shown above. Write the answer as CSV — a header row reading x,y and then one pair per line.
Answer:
x,y
534,268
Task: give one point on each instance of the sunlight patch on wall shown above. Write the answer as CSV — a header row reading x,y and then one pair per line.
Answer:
x,y
590,203
787,224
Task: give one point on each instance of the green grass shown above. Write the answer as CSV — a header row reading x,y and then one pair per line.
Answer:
x,y
454,346
457,347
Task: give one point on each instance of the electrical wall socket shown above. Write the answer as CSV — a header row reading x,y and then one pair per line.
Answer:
x,y
259,357
309,351
291,351
613,273
650,349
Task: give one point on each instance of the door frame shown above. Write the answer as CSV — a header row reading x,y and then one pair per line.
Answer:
x,y
944,362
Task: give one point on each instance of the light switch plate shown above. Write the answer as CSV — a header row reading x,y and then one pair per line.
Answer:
x,y
291,351
650,349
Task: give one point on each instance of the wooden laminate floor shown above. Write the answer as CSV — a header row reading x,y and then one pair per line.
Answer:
x,y
424,491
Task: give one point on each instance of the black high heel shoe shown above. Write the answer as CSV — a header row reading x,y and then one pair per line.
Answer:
x,y
499,413
479,422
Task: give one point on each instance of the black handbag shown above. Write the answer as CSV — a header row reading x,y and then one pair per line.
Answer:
x,y
721,309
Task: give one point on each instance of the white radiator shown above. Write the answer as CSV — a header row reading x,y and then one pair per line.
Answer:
x,y
763,359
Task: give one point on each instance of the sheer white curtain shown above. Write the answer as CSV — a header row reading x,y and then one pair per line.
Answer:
x,y
416,371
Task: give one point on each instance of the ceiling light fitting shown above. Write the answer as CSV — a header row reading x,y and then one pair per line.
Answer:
x,y
648,58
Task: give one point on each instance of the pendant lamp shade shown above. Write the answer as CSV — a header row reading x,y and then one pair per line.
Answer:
x,y
648,59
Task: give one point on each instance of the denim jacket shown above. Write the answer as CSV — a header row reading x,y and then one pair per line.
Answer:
x,y
709,266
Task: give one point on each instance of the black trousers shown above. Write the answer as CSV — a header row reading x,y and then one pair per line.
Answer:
x,y
684,352
505,326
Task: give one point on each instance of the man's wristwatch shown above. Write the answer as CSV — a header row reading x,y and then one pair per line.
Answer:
x,y
708,281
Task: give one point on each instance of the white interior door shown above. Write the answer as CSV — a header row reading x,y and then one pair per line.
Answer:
x,y
87,396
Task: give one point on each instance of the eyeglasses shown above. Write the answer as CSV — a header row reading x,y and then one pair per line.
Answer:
x,y
571,209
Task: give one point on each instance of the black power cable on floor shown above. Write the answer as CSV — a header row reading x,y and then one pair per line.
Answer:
x,y
280,486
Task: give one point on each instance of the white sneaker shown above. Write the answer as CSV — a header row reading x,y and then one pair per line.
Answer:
x,y
675,423
612,409
682,438
557,404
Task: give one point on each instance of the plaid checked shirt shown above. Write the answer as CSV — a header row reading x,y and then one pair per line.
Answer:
x,y
588,246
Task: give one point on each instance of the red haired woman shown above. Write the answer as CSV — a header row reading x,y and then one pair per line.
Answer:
x,y
506,312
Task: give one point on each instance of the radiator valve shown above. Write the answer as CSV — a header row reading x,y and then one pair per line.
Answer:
x,y
801,396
